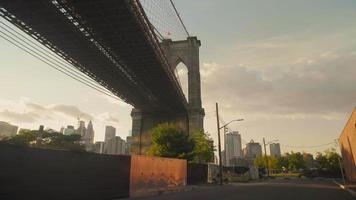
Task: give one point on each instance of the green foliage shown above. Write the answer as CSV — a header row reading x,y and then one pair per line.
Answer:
x,y
203,147
282,163
170,141
295,161
262,161
45,139
328,161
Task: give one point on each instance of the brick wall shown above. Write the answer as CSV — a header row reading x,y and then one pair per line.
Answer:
x,y
347,143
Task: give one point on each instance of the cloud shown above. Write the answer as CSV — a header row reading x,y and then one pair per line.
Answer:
x,y
71,111
110,118
27,117
35,107
324,87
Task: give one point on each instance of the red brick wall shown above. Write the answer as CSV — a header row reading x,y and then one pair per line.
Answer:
x,y
347,142
150,175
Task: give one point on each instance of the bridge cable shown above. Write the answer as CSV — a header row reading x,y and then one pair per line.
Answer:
x,y
53,65
163,19
180,19
54,57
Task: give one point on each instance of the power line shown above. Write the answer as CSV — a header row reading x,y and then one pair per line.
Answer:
x,y
313,146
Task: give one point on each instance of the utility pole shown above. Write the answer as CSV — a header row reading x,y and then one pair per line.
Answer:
x,y
225,155
219,145
340,165
264,144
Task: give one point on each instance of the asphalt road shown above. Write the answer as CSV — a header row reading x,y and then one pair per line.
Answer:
x,y
296,189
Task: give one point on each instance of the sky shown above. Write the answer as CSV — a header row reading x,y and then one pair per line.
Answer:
x,y
286,67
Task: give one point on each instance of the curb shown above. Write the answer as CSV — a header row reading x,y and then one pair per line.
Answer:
x,y
353,193
161,191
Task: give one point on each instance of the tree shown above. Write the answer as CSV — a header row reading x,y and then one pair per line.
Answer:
x,y
170,141
282,162
46,139
272,161
260,161
328,161
203,151
295,161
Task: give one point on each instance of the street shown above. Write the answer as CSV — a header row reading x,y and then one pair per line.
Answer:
x,y
294,189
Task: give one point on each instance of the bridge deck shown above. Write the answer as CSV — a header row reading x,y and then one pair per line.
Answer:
x,y
110,41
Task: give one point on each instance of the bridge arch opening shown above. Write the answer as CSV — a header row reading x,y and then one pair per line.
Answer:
x,y
181,72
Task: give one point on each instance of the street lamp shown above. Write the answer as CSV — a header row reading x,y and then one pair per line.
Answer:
x,y
235,120
264,144
224,127
219,141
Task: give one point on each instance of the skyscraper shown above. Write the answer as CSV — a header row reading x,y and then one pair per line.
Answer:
x,y
115,145
253,150
128,145
88,137
69,130
99,147
7,130
275,149
233,148
81,128
110,133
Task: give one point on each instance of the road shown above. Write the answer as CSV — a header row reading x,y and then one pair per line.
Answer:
x,y
293,189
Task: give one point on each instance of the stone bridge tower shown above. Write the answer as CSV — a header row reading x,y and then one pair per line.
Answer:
x,y
186,52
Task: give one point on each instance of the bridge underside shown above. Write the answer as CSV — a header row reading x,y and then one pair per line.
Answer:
x,y
111,41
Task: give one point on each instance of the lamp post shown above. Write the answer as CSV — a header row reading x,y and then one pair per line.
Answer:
x,y
219,141
337,145
225,127
264,144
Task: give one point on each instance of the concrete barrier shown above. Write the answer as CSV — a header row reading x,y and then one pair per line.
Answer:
x,y
30,173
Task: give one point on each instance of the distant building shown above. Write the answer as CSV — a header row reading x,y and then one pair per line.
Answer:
x,y
223,158
41,128
253,150
69,130
244,152
99,147
115,146
239,162
7,130
62,130
129,140
347,141
88,137
275,149
81,128
233,148
110,133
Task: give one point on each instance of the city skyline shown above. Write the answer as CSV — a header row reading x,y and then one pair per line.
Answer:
x,y
280,72
112,134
